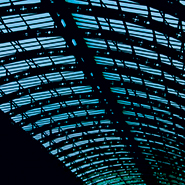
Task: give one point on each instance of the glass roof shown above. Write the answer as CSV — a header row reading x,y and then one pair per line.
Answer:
x,y
100,84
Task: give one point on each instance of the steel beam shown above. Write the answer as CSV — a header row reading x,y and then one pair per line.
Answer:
x,y
95,77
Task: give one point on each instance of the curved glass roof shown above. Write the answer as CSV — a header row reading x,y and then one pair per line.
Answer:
x,y
100,84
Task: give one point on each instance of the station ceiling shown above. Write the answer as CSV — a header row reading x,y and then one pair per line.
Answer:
x,y
100,84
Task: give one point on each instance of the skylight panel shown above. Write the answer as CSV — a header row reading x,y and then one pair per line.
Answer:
x,y
125,48
84,2
132,123
168,76
98,162
113,138
157,98
173,21
79,143
178,64
140,139
183,25
93,131
75,135
52,42
61,158
60,117
44,121
59,139
87,123
180,81
131,64
30,44
149,116
80,113
82,89
161,39
85,21
95,112
15,23
125,78
27,127
66,127
76,75
6,49
85,165
137,80
16,67
17,118
182,2
30,81
96,43
19,2
54,76
33,112
10,87
130,6
24,100
72,102
5,107
79,160
117,25
99,139
104,61
4,3
174,104
2,27
108,3
88,101
51,106
156,15
54,151
129,113
33,16
145,52
41,95
107,130
55,130
42,61
64,91
103,22
182,95
105,121
111,76
165,130
131,93
154,85
150,70
38,20
124,102
66,147
140,115
87,25
161,110
164,121
179,126
176,44
64,59
140,31
118,90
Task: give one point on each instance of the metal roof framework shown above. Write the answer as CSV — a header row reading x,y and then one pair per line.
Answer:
x,y
99,84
